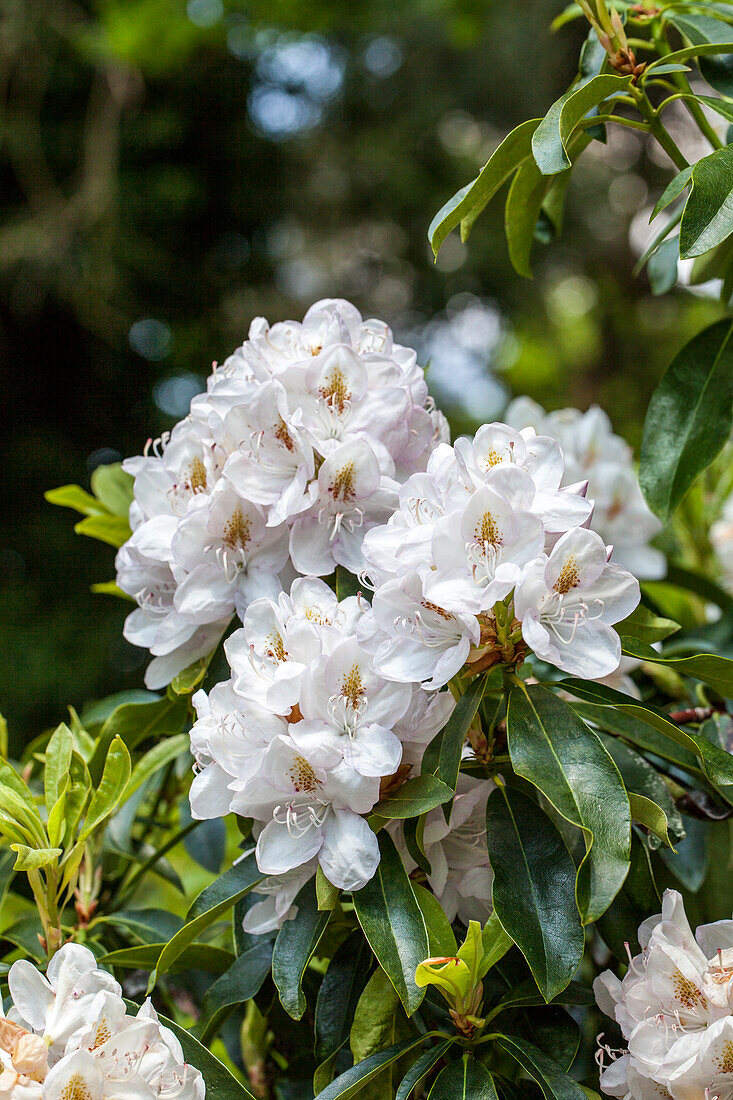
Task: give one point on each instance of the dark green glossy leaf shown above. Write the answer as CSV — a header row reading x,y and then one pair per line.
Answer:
x,y
709,667
523,206
196,956
419,1070
636,900
717,764
393,923
652,817
354,1080
527,995
708,217
645,625
240,983
534,888
136,722
443,754
555,1084
702,30
550,139
416,796
555,750
672,191
339,993
689,418
464,1080
296,941
641,778
210,904
514,149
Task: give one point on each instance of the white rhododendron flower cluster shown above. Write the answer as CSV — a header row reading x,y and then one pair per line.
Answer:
x,y
593,452
302,738
487,557
675,1012
297,448
68,1035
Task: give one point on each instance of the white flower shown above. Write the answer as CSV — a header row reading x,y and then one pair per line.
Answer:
x,y
675,1010
460,873
487,556
295,451
721,537
566,602
69,1036
592,452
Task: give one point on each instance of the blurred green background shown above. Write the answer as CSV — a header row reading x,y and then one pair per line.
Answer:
x,y
171,169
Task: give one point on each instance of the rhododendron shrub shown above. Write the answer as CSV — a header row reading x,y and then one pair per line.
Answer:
x,y
430,722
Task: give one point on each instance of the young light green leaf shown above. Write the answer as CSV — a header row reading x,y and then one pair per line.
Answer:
x,y
534,888
464,1080
651,816
495,942
113,488
155,759
708,216
110,789
555,750
326,893
514,149
113,530
33,859
378,1024
712,668
295,944
550,139
135,722
393,923
689,419
57,763
416,796
73,496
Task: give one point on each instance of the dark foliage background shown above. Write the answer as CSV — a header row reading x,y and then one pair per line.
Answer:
x,y
170,170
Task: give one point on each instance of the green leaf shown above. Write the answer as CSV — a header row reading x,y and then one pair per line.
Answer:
x,y
706,49
708,217
464,1080
496,943
354,1080
662,269
378,1024
113,487
534,888
645,625
155,759
73,496
703,31
326,893
413,831
527,995
110,588
554,1083
419,1070
57,763
717,764
346,584
672,191
689,419
296,941
240,983
638,898
393,923
523,206
32,859
441,938
220,1083
110,789
136,722
709,667
106,528
339,993
550,140
447,745
207,907
641,778
196,956
514,149
415,796
651,816
193,674
555,750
